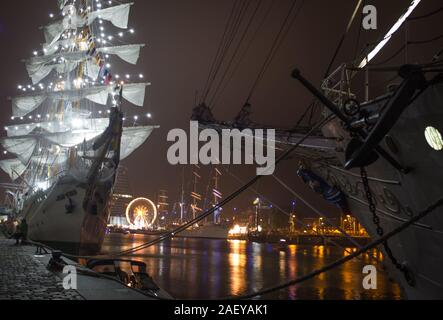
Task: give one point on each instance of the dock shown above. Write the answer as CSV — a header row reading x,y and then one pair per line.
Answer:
x,y
24,276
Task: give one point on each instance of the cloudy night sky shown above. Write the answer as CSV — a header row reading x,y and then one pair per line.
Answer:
x,y
182,38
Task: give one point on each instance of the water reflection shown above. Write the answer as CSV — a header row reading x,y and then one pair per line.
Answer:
x,y
211,269
238,262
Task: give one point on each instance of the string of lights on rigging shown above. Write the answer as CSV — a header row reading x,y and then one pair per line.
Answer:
x,y
79,82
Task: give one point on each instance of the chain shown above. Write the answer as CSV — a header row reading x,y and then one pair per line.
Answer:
x,y
376,220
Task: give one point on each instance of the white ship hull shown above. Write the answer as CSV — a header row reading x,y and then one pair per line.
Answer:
x,y
77,231
401,196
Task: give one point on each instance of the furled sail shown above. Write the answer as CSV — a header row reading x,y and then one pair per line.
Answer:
x,y
61,138
50,159
22,106
65,135
41,71
23,147
13,167
74,138
128,53
52,48
117,15
62,3
21,130
58,127
40,67
133,138
134,93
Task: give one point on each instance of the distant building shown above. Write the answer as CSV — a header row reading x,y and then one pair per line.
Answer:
x,y
121,198
118,221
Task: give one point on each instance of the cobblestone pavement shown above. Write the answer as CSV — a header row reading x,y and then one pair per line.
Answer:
x,y
22,277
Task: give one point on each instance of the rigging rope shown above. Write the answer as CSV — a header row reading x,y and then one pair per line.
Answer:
x,y
248,47
426,15
229,198
304,115
335,264
232,26
402,48
296,218
311,110
91,273
245,32
437,56
342,40
344,260
343,232
279,39
215,208
412,42
357,45
219,51
426,41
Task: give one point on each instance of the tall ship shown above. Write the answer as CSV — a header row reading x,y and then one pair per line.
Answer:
x,y
379,159
69,133
212,227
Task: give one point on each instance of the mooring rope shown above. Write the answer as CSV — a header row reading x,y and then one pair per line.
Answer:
x,y
208,212
318,272
335,264
228,199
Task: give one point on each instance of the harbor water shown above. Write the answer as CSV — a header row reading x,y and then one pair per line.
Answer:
x,y
211,269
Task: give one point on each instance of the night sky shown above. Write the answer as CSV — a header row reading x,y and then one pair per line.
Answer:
x,y
183,37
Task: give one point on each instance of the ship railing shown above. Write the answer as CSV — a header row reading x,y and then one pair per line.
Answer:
x,y
337,87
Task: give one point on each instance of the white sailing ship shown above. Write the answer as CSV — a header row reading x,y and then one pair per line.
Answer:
x,y
71,136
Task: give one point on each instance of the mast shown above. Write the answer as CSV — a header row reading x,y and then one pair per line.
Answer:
x,y
182,200
195,195
62,121
217,195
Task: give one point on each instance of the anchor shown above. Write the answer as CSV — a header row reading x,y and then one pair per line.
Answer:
x,y
378,150
362,153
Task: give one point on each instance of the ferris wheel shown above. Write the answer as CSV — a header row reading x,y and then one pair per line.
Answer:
x,y
141,213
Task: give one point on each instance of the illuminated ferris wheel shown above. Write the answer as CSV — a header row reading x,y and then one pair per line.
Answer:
x,y
141,213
